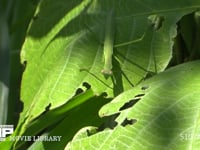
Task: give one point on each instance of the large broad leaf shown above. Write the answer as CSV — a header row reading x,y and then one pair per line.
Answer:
x,y
165,117
63,48
86,114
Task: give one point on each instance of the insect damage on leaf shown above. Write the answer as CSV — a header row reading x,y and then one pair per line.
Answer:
x,y
47,109
109,122
128,122
144,87
131,102
91,131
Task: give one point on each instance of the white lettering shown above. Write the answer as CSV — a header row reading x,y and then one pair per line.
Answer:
x,y
6,131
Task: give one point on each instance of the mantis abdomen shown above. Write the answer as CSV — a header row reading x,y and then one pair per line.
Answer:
x,y
108,44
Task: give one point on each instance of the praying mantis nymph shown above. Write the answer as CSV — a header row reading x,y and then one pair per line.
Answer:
x,y
108,44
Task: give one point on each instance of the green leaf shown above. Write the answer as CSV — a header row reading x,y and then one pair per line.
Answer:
x,y
63,49
52,117
165,117
65,122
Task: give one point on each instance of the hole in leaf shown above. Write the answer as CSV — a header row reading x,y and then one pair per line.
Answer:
x,y
109,122
24,63
91,132
104,94
128,122
139,95
47,108
128,104
85,84
79,91
131,102
144,87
